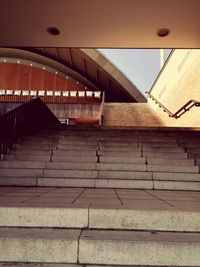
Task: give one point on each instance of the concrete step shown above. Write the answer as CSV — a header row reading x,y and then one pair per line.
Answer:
x,y
21,172
32,151
35,145
172,168
24,157
80,142
193,150
190,145
172,162
39,245
127,160
99,247
190,139
194,155
98,209
120,148
165,155
177,185
77,147
70,166
120,167
120,154
191,185
65,182
131,175
157,139
21,264
170,176
160,144
21,165
78,159
133,143
39,140
18,181
139,248
163,149
74,153
82,174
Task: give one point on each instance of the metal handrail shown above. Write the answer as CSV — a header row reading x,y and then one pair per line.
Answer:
x,y
102,109
26,118
191,103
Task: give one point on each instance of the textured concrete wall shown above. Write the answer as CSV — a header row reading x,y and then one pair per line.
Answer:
x,y
178,83
63,110
130,114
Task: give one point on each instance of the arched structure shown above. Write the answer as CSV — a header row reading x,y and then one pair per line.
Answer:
x,y
87,67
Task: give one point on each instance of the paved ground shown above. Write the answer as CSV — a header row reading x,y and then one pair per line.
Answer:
x,y
106,198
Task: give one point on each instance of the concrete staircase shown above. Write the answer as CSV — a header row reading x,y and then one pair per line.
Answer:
x,y
100,158
92,197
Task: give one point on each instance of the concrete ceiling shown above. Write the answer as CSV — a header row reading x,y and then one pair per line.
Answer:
x,y
100,23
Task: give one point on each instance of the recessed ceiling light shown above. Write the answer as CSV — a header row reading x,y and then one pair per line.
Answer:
x,y
56,73
31,64
4,60
18,61
43,68
163,32
53,31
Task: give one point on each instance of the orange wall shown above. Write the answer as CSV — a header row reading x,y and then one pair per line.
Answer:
x,y
24,77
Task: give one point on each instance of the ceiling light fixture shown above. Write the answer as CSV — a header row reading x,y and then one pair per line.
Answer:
x,y
53,31
163,32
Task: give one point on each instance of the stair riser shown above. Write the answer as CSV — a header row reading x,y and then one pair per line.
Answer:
x,y
99,218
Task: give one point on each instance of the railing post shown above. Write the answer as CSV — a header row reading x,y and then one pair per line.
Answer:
x,y
101,109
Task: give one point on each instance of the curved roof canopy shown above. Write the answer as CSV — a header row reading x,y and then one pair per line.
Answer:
x,y
85,65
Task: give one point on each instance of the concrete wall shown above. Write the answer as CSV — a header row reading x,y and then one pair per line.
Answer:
x,y
178,83
63,110
130,115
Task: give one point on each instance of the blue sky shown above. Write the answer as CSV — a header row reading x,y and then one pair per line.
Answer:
x,y
141,66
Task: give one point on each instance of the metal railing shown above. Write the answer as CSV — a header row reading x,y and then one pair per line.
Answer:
x,y
102,109
26,118
186,107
